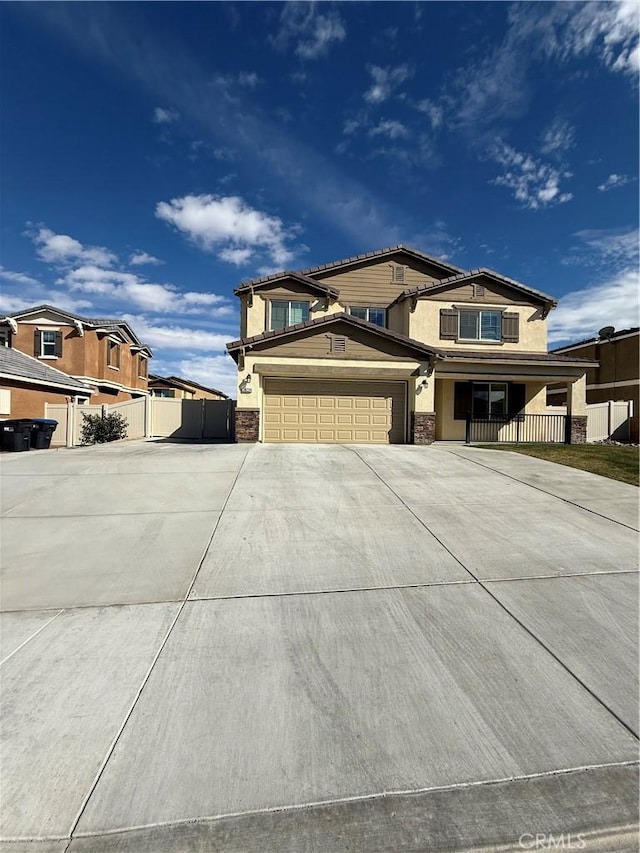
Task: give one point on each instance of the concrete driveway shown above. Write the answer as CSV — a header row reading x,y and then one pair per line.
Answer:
x,y
318,648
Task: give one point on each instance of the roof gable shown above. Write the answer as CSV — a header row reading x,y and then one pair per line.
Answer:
x,y
481,276
300,279
341,324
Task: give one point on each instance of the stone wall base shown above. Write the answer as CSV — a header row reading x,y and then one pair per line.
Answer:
x,y
247,425
423,427
577,429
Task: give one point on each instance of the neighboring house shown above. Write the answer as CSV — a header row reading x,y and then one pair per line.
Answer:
x,y
182,389
105,357
390,347
27,384
616,376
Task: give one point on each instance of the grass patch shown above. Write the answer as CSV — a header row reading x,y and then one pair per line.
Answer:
x,y
608,460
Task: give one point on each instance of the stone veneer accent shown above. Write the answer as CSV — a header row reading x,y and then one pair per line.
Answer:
x,y
247,425
577,429
423,427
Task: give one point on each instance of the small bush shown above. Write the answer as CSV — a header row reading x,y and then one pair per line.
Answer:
x,y
97,429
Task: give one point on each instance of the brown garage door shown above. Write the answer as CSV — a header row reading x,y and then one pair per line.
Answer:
x,y
334,412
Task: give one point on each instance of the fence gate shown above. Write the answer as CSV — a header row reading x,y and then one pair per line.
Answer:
x,y
192,419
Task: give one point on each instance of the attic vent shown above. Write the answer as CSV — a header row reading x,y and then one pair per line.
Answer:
x,y
338,344
397,275
478,289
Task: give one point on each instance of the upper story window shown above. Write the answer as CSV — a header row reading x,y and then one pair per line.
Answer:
x,y
47,343
480,325
143,367
287,313
113,354
377,316
5,338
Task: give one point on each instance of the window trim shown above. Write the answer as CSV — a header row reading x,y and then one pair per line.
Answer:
x,y
288,303
369,308
111,347
479,312
44,343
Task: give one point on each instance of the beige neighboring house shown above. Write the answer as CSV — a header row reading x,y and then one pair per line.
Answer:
x,y
397,347
182,389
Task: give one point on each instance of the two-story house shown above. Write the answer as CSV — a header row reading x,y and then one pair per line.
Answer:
x,y
395,347
107,361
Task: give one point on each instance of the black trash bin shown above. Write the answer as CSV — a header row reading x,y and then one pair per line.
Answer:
x,y
41,431
15,434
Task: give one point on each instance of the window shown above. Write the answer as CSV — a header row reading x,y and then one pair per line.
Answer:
x,y
488,399
48,344
82,401
113,355
5,338
377,316
288,314
480,325
142,367
163,392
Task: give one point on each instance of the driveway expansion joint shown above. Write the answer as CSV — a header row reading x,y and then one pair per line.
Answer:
x,y
503,606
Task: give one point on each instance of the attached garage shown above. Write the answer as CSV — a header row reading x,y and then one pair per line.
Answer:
x,y
334,412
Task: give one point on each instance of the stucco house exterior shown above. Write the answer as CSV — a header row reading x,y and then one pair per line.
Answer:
x,y
27,383
614,373
395,346
103,358
177,388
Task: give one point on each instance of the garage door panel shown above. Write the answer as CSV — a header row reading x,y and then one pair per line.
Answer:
x,y
334,412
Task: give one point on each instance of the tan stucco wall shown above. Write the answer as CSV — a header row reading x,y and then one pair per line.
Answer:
x,y
448,429
253,400
424,326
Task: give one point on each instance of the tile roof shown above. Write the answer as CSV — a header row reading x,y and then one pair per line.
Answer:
x,y
13,362
508,355
296,276
355,259
597,339
465,276
108,324
330,320
185,384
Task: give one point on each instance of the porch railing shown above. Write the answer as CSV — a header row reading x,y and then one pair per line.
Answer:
x,y
517,429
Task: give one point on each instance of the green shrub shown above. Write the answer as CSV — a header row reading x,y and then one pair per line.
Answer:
x,y
97,429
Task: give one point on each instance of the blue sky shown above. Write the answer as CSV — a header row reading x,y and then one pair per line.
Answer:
x,y
155,155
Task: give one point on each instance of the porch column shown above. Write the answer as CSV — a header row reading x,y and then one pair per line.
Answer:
x,y
423,416
577,411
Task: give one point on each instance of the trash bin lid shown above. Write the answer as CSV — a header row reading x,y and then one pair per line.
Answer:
x,y
46,421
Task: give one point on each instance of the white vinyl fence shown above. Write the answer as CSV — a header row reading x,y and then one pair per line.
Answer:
x,y
147,417
605,420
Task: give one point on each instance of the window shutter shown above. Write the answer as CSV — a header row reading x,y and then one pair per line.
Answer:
x,y
37,335
510,328
517,397
461,400
448,324
58,347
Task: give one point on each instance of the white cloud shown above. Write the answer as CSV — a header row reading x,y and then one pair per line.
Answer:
x,y
558,137
433,111
534,184
60,249
215,371
391,129
149,296
229,227
140,258
605,248
384,82
17,277
176,337
581,313
614,181
165,116
313,31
